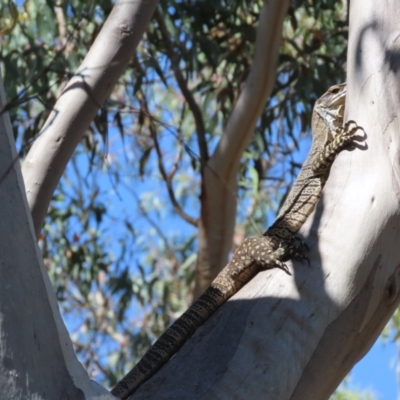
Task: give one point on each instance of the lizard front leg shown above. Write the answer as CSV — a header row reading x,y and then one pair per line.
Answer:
x,y
343,136
256,253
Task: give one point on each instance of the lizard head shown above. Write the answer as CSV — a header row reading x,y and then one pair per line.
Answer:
x,y
330,107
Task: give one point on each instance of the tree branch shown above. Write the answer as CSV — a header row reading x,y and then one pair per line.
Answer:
x,y
170,251
67,45
218,209
37,354
80,101
167,177
194,107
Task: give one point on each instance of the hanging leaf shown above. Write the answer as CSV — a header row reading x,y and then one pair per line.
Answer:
x,y
8,18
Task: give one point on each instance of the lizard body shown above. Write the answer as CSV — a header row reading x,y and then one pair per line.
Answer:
x,y
327,120
258,253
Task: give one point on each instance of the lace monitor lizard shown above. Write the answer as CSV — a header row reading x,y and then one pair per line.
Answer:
x,y
277,245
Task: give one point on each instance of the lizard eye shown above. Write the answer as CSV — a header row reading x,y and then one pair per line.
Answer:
x,y
335,90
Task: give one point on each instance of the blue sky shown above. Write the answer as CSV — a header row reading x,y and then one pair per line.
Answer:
x,y
377,371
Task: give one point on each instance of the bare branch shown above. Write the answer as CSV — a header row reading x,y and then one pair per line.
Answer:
x,y
80,101
67,45
167,177
194,107
171,253
218,209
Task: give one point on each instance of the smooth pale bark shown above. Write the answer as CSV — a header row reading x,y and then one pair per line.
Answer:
x,y
296,337
80,101
36,358
219,190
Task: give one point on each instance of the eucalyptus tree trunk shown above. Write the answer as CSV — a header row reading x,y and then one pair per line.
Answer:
x,y
296,337
36,359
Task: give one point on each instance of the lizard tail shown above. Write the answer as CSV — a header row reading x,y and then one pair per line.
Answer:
x,y
170,341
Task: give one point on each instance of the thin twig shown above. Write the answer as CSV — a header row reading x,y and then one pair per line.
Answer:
x,y
175,262
167,177
194,107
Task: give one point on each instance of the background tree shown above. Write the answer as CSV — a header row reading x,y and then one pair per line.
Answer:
x,y
119,282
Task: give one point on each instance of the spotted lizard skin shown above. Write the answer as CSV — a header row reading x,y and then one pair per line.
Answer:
x,y
277,245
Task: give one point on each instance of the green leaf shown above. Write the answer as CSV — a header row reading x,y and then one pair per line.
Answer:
x,y
9,18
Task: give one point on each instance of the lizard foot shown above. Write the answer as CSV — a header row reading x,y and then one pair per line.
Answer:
x,y
277,256
343,136
297,249
260,251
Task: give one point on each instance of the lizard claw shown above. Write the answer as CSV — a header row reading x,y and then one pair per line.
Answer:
x,y
283,267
